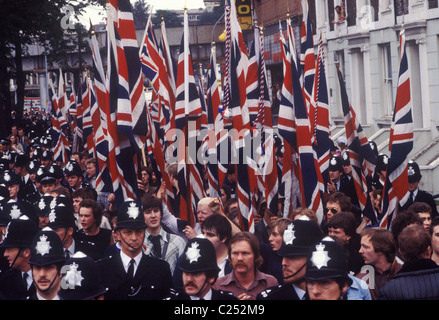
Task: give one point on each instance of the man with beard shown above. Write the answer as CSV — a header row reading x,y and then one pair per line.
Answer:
x,y
47,259
297,243
199,272
245,281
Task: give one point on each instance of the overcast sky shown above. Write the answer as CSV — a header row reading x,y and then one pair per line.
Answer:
x,y
97,14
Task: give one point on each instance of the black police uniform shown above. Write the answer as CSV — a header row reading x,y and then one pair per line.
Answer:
x,y
297,241
414,174
282,292
152,280
47,249
199,256
216,295
21,233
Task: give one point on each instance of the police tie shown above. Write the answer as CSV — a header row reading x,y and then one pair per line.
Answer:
x,y
410,199
25,275
131,269
67,253
156,248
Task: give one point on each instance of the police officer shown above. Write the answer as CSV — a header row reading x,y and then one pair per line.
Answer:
x,y
16,283
347,183
62,221
12,182
81,279
75,178
379,178
130,274
415,194
200,271
46,260
297,243
328,277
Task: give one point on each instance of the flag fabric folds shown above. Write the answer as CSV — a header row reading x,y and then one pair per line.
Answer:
x,y
400,145
361,155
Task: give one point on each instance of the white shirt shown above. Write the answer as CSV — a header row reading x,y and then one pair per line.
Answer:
x,y
29,278
41,298
222,266
126,261
300,293
207,296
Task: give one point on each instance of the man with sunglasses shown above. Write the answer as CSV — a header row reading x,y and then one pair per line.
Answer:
x,y
336,202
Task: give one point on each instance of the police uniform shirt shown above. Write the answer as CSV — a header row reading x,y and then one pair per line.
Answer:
x,y
207,296
285,291
39,297
29,279
300,293
126,261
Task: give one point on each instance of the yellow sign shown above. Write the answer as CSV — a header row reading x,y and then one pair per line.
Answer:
x,y
243,10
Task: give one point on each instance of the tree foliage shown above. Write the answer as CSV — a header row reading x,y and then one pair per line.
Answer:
x,y
24,22
141,11
171,18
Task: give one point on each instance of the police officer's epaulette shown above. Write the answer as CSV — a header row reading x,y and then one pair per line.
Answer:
x,y
226,292
172,294
265,293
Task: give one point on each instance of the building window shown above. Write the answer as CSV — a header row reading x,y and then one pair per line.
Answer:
x,y
432,4
351,13
415,83
376,9
358,85
386,80
402,7
331,14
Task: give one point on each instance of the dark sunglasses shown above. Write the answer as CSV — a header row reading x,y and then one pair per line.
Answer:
x,y
333,210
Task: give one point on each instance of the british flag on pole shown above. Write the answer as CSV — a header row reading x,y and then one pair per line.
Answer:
x,y
293,112
361,156
307,57
126,106
61,147
319,120
245,165
400,144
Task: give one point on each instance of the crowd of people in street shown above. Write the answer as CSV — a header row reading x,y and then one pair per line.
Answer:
x,y
60,239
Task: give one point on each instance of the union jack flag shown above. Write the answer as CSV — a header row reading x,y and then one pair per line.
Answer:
x,y
361,156
309,175
320,123
78,145
87,124
307,57
156,68
188,112
131,110
245,165
121,152
215,126
61,147
400,144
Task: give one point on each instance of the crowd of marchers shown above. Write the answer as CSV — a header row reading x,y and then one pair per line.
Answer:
x,y
62,239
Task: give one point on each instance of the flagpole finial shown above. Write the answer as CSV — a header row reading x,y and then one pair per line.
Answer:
x,y
92,28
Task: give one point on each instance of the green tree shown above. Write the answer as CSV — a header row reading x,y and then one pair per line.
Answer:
x,y
171,18
141,11
27,21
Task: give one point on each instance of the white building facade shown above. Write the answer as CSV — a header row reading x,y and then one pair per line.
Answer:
x,y
366,45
